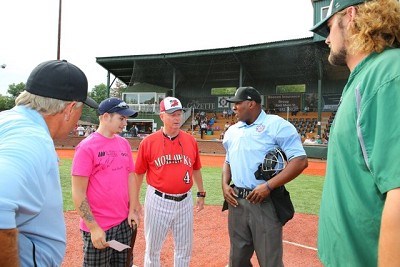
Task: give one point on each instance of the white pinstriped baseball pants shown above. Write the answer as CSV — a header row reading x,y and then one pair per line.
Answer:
x,y
162,215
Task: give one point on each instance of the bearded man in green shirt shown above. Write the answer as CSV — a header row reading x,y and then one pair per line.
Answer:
x,y
359,220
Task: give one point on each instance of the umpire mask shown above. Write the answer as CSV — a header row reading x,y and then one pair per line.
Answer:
x,y
273,163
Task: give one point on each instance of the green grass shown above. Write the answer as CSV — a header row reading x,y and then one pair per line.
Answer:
x,y
305,190
65,175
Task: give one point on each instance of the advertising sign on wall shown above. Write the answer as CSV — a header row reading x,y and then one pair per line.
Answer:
x,y
280,103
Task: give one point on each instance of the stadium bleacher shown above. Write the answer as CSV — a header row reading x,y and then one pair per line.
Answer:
x,y
305,123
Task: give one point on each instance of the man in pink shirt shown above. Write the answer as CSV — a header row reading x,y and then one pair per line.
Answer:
x,y
102,184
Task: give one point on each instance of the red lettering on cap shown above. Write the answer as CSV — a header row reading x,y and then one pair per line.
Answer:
x,y
174,103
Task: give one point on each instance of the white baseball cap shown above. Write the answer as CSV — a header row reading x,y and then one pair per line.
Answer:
x,y
170,105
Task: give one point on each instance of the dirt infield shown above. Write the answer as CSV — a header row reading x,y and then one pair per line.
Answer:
x,y
315,167
211,241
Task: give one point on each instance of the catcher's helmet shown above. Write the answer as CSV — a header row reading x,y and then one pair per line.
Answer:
x,y
273,163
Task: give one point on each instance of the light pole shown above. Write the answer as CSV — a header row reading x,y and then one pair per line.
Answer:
x,y
59,30
3,66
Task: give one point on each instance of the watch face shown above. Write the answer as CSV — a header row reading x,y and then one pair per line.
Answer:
x,y
201,194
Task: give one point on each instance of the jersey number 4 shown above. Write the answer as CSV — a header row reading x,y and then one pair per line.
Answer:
x,y
186,178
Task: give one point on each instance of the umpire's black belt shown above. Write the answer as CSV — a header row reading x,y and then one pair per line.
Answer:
x,y
242,192
174,198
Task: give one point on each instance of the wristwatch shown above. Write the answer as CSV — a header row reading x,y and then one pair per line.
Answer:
x,y
201,194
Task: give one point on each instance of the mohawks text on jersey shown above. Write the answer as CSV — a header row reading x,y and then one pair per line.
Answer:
x,y
172,159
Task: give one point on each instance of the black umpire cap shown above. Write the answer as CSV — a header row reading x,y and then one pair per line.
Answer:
x,y
245,93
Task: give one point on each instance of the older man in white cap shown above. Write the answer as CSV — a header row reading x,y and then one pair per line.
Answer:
x,y
171,161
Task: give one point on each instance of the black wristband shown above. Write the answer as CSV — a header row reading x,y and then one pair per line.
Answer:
x,y
201,194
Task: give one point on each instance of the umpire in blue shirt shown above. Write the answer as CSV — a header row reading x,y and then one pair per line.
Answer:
x,y
252,221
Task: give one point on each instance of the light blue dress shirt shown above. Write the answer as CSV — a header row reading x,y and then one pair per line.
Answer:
x,y
247,145
30,190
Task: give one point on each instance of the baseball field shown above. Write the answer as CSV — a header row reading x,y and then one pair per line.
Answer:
x,y
211,241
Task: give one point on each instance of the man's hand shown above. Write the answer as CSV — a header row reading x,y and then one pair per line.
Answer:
x,y
389,238
258,194
199,204
135,215
229,195
98,237
9,247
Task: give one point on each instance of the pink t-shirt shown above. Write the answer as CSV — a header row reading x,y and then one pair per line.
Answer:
x,y
107,162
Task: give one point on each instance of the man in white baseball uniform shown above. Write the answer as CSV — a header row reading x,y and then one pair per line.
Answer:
x,y
170,158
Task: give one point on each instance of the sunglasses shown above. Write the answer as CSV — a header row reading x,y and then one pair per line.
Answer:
x,y
122,105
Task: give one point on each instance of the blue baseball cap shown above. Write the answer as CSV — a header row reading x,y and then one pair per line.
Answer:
x,y
116,105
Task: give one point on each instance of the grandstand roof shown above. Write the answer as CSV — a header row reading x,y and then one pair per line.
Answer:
x,y
282,62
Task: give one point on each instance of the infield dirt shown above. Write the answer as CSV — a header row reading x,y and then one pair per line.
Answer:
x,y
211,241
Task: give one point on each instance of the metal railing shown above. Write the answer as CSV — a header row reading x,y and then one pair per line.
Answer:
x,y
155,109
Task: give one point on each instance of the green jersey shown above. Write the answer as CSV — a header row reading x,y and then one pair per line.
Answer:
x,y
362,162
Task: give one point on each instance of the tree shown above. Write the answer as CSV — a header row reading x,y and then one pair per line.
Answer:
x,y
6,102
98,93
118,89
15,89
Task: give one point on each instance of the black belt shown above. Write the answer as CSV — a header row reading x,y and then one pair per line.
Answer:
x,y
174,198
243,192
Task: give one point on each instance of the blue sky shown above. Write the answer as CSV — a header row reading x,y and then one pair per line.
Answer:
x,y
96,28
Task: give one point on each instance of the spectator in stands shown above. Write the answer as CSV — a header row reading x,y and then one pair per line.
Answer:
x,y
327,135
88,131
194,124
134,130
318,139
210,129
221,135
309,141
198,119
203,128
80,130
225,113
295,111
226,126
211,122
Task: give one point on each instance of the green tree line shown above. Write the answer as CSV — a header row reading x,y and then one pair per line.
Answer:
x,y
98,93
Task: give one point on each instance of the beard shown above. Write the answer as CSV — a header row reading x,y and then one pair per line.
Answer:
x,y
338,58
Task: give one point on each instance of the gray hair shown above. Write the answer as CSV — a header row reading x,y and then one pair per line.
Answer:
x,y
44,105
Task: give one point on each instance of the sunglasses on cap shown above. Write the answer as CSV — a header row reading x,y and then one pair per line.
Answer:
x,y
121,105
